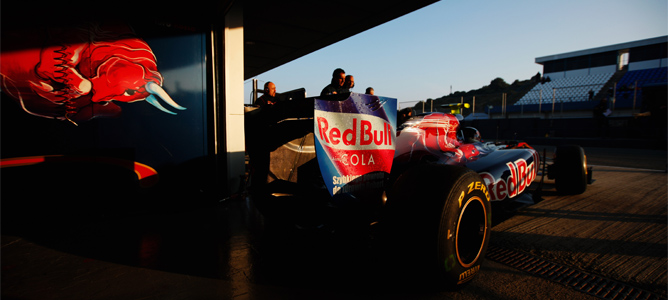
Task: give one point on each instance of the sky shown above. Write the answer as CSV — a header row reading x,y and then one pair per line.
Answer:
x,y
461,45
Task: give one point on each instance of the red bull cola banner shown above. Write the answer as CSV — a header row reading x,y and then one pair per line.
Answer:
x,y
355,141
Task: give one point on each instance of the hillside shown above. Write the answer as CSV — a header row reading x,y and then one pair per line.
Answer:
x,y
491,94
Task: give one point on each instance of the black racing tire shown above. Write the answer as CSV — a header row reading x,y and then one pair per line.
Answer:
x,y
438,222
571,168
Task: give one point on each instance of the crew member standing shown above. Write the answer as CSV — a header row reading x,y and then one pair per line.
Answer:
x,y
336,86
349,83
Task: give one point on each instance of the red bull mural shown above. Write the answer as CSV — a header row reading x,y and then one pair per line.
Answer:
x,y
79,72
101,77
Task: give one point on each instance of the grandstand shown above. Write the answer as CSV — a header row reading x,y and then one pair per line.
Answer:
x,y
574,82
630,86
568,89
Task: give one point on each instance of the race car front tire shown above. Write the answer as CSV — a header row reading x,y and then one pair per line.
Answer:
x,y
438,220
571,164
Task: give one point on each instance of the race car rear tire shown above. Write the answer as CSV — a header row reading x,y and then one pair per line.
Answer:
x,y
438,221
571,163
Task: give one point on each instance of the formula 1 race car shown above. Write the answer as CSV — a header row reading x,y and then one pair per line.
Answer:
x,y
428,183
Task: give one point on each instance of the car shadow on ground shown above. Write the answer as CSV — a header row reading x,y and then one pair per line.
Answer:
x,y
228,240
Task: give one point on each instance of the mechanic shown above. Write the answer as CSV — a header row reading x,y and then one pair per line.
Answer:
x,y
404,115
336,86
269,97
349,83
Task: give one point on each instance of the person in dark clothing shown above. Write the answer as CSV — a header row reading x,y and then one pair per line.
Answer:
x,y
404,115
336,86
601,113
269,96
349,83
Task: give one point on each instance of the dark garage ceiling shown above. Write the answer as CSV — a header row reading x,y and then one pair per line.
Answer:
x,y
275,32
279,32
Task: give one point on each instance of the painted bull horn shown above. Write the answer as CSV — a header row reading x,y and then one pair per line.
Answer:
x,y
157,91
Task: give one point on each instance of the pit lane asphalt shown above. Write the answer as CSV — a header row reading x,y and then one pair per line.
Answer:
x,y
616,229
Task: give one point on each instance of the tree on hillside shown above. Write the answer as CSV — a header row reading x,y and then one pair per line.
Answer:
x,y
498,84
